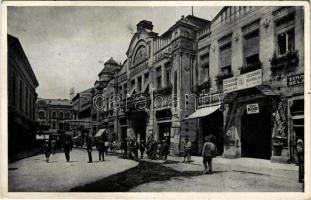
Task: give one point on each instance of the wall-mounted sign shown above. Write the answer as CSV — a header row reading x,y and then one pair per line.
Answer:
x,y
252,108
295,79
243,81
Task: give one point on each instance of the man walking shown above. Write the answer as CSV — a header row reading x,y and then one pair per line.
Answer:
x,y
164,149
187,150
101,149
208,152
47,150
89,147
142,149
67,147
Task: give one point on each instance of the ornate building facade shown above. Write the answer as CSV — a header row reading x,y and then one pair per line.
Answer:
x,y
237,78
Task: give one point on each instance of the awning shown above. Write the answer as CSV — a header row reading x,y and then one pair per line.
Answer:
x,y
100,132
202,112
264,89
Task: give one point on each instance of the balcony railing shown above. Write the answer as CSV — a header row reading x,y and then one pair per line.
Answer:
x,y
198,88
286,61
250,67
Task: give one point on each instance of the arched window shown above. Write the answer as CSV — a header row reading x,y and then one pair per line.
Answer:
x,y
41,115
61,115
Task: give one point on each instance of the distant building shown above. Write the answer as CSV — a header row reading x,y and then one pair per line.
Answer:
x,y
54,113
22,84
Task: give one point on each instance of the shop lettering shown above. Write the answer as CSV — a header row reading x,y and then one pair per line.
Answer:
x,y
295,80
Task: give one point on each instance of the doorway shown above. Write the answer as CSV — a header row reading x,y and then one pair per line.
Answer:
x,y
165,131
256,134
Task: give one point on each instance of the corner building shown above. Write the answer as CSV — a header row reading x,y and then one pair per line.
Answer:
x,y
252,61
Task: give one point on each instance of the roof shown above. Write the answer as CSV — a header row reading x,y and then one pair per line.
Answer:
x,y
110,67
111,61
189,20
57,102
13,42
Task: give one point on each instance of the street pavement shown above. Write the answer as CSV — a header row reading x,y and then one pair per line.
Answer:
x,y
231,175
33,174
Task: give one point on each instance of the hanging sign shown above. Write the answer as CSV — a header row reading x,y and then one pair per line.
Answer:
x,y
252,108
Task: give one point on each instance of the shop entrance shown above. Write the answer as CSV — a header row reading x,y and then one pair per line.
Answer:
x,y
139,123
212,125
165,131
256,134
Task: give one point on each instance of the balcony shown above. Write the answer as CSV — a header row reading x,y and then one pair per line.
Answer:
x,y
285,62
164,90
223,75
198,88
250,67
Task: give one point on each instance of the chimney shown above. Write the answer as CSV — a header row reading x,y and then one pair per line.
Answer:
x,y
144,25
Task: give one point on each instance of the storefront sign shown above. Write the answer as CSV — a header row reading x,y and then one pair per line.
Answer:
x,y
281,119
252,108
243,81
295,79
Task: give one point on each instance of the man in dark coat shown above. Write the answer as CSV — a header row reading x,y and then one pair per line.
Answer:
x,y
89,147
164,149
208,152
67,147
100,145
47,150
142,149
300,155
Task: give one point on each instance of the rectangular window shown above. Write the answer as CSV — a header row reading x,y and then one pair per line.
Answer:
x,y
285,33
251,48
159,77
146,77
225,58
139,82
133,83
124,91
168,77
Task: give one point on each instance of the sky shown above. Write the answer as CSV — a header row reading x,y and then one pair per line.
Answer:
x,y
67,46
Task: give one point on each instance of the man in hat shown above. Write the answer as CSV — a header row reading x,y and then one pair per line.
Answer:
x,y
187,150
208,152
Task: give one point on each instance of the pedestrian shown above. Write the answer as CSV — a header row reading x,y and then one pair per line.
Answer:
x,y
124,148
89,146
164,149
67,147
300,155
53,145
187,150
47,150
100,145
208,152
142,148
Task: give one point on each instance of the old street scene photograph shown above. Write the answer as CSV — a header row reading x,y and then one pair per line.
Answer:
x,y
155,98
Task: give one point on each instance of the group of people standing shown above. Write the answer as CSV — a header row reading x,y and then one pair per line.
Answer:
x,y
154,149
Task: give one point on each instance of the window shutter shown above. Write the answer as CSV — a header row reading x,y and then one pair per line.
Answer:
x,y
225,55
251,44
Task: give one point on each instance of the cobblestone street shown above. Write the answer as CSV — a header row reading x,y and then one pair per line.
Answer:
x,y
118,175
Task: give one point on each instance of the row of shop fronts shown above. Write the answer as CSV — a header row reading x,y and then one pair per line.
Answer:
x,y
188,82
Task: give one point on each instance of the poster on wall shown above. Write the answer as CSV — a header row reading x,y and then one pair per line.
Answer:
x,y
252,108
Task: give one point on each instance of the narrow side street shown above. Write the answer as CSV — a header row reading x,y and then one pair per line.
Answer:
x,y
120,175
